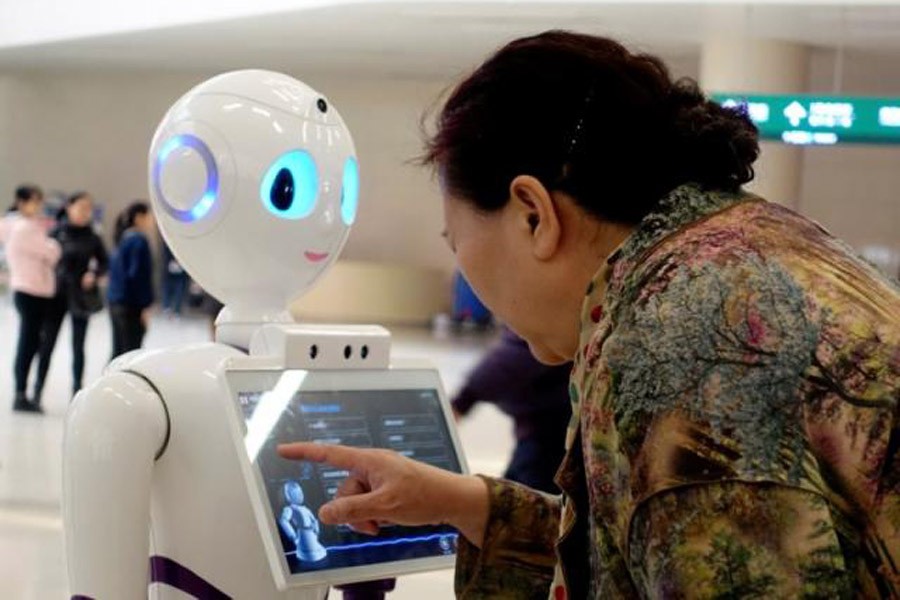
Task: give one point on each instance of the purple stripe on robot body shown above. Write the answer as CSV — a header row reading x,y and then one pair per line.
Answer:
x,y
167,571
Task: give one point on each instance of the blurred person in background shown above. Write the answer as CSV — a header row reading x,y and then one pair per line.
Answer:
x,y
32,256
130,292
6,222
467,308
175,281
535,395
84,261
12,213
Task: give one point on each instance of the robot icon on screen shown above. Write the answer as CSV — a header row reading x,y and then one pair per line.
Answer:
x,y
300,525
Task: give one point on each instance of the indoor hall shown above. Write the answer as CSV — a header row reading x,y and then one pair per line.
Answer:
x,y
82,93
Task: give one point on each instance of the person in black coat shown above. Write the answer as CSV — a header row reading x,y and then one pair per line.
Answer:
x,y
130,291
84,260
535,395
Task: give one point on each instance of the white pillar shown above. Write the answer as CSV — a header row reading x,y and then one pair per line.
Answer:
x,y
736,64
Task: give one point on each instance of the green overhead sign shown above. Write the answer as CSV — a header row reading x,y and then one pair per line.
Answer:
x,y
822,120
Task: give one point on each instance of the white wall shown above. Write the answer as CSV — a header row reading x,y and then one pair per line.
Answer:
x,y
6,112
400,216
92,131
854,190
86,132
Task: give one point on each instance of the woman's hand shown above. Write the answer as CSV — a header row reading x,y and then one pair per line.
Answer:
x,y
385,487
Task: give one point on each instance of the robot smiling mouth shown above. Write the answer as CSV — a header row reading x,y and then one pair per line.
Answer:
x,y
315,256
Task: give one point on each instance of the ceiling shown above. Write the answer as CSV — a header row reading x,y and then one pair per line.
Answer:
x,y
440,39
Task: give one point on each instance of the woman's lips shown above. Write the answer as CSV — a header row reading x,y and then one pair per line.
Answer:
x,y
315,256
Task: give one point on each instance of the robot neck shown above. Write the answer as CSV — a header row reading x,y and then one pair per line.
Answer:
x,y
236,325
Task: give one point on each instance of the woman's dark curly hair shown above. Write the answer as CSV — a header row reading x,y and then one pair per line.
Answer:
x,y
587,117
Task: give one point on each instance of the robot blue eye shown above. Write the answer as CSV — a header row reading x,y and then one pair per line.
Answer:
x,y
350,192
290,187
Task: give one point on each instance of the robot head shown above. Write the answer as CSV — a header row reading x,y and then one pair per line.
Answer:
x,y
255,184
293,493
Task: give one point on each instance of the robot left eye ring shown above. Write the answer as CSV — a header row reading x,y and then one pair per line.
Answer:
x,y
204,204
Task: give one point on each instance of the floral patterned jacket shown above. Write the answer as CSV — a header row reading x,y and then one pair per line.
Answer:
x,y
735,427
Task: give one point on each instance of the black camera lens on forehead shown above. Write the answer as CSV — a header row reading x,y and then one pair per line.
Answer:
x,y
322,105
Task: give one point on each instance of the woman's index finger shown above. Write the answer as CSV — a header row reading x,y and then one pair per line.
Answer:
x,y
337,456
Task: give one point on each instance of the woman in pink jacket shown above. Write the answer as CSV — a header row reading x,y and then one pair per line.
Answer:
x,y
32,256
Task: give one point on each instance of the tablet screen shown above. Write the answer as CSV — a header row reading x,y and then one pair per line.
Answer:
x,y
410,421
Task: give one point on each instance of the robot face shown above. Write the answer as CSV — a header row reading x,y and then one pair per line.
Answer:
x,y
255,183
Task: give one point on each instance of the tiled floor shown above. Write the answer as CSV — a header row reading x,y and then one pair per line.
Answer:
x,y
32,560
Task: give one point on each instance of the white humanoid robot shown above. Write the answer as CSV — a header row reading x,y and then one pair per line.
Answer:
x,y
254,180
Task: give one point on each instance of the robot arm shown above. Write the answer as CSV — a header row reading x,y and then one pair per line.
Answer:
x,y
114,432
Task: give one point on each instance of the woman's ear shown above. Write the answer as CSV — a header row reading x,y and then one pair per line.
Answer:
x,y
536,213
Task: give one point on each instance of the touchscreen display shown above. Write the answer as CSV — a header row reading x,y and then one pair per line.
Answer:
x,y
408,421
